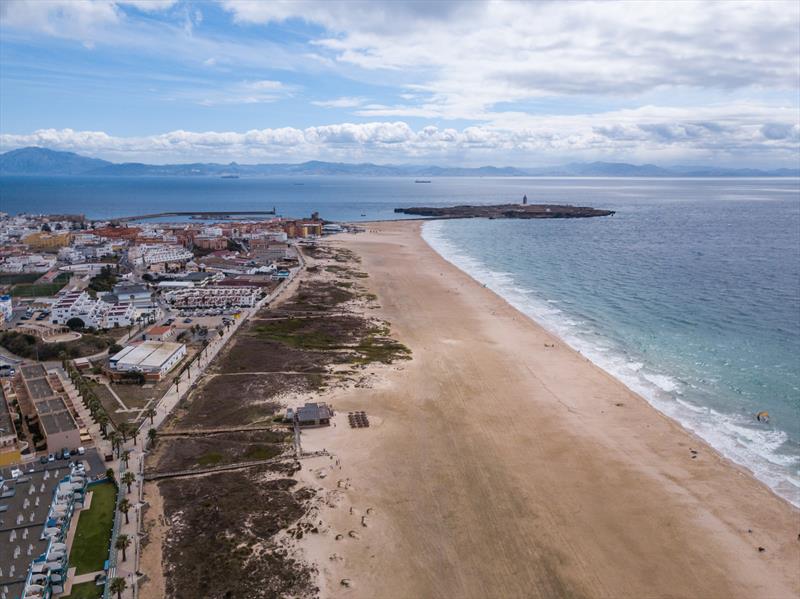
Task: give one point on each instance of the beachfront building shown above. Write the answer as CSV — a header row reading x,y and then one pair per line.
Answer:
x,y
41,504
154,359
311,414
213,297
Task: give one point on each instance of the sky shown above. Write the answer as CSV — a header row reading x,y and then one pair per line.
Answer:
x,y
462,83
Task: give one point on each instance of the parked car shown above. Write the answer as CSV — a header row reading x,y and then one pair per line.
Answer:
x,y
51,457
187,320
43,459
81,451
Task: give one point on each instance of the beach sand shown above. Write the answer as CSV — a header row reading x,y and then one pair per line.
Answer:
x,y
496,466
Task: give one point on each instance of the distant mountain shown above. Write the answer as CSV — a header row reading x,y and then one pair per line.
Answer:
x,y
41,161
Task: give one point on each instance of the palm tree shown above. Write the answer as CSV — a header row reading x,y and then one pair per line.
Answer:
x,y
123,542
124,506
115,439
126,457
110,474
128,479
102,420
151,435
123,429
118,586
150,413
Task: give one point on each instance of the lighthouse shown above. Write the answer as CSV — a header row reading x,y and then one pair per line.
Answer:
x,y
525,200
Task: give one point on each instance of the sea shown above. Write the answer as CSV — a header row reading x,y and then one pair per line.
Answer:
x,y
689,294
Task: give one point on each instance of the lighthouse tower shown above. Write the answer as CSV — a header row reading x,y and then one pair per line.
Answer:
x,y
524,200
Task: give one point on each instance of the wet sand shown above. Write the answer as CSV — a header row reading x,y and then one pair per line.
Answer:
x,y
497,466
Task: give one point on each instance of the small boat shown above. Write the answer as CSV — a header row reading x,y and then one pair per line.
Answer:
x,y
362,214
229,177
422,181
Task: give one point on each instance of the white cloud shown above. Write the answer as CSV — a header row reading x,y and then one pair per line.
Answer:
x,y
343,102
467,57
731,134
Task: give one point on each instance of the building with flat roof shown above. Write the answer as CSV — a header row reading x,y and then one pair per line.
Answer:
x,y
45,403
154,359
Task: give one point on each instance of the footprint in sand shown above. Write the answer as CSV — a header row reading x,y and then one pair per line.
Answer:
x,y
353,535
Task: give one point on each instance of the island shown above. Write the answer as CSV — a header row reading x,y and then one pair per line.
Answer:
x,y
507,211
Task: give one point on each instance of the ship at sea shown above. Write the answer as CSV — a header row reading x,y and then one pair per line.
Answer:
x,y
422,181
229,176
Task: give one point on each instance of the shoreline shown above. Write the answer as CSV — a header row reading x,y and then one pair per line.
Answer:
x,y
636,387
489,474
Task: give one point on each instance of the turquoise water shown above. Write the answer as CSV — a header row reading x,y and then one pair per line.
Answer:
x,y
690,294
690,298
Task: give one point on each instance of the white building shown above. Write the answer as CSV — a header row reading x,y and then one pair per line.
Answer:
x,y
5,308
94,313
152,358
213,297
149,255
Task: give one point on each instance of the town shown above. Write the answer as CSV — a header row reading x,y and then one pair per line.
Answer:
x,y
100,324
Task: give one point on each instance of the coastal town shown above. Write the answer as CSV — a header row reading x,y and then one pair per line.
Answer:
x,y
105,327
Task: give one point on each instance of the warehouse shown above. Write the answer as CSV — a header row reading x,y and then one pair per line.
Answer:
x,y
152,358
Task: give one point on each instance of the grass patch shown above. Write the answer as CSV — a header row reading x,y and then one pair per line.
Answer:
x,y
36,290
262,452
31,347
85,590
288,332
211,458
93,536
14,278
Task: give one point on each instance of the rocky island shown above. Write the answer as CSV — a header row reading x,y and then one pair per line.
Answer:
x,y
507,211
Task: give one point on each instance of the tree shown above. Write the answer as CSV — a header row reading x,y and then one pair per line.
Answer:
x,y
128,479
126,457
123,542
151,435
75,323
150,413
115,439
46,228
102,421
124,429
124,506
118,586
110,474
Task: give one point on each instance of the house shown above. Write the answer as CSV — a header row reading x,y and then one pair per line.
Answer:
x,y
314,414
159,333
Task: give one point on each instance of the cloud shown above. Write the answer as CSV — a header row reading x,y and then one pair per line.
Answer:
x,y
730,134
467,57
263,91
343,102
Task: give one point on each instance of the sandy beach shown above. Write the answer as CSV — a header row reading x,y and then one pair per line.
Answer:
x,y
501,463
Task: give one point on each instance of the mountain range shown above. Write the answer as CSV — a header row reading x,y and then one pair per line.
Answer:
x,y
43,161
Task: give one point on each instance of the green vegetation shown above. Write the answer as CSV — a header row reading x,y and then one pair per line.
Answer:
x,y
15,278
262,452
85,590
104,281
211,458
93,536
32,347
30,289
374,346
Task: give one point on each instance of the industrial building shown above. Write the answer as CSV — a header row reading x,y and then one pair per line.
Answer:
x,y
152,358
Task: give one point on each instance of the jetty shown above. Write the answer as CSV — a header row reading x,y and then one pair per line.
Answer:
x,y
196,214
